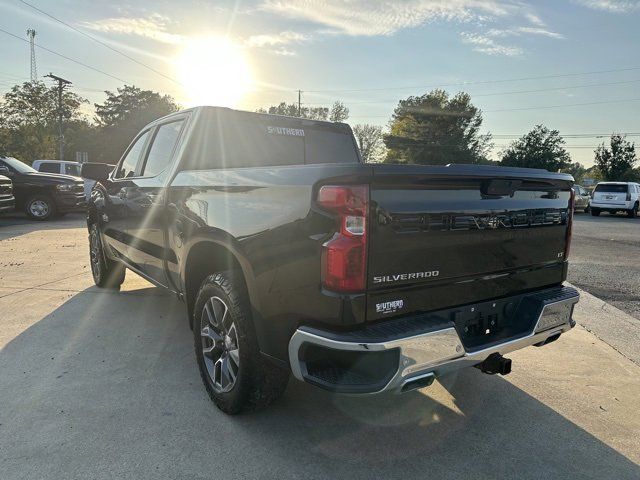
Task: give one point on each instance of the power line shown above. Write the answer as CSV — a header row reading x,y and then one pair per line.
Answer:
x,y
479,82
568,87
104,44
562,106
540,107
67,58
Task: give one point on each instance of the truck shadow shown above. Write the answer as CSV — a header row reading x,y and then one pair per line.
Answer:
x,y
108,381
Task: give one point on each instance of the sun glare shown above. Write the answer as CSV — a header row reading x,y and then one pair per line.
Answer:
x,y
213,71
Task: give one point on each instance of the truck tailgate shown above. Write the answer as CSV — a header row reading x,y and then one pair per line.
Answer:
x,y
444,236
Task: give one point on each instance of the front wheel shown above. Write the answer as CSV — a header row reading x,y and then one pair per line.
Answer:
x,y
106,273
235,375
40,207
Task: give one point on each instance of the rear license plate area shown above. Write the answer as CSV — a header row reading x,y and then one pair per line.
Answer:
x,y
485,323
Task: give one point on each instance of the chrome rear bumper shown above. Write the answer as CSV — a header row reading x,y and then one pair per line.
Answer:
x,y
429,354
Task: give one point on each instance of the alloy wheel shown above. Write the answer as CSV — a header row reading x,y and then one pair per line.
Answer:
x,y
95,251
39,208
220,349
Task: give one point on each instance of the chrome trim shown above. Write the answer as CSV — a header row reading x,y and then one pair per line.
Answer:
x,y
434,353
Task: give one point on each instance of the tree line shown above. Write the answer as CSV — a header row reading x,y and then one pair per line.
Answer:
x,y
432,129
29,122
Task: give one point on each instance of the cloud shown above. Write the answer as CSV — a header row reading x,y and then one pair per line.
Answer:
x,y
277,39
612,6
154,27
284,52
381,17
518,31
488,45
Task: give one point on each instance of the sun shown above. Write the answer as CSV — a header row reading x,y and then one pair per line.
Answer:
x,y
213,71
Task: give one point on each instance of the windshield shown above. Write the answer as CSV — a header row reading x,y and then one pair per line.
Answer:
x,y
612,188
18,166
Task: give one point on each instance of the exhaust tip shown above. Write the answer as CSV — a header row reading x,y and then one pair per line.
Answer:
x,y
418,382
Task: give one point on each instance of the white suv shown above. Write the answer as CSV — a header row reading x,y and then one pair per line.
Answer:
x,y
616,197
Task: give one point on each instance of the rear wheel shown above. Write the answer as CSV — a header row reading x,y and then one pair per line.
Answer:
x,y
595,212
633,213
40,207
106,273
587,209
235,375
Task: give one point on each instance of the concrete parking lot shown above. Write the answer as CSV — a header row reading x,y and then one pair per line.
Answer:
x,y
104,385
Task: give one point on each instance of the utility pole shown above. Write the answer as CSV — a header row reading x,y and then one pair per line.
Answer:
x,y
31,33
62,83
299,103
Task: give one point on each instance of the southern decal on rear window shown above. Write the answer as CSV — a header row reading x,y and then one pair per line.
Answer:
x,y
292,132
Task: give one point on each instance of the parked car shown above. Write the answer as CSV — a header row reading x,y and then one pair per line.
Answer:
x,y
582,199
7,200
614,197
42,195
63,167
66,168
293,256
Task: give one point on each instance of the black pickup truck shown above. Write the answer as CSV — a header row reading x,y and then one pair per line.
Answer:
x,y
293,256
43,195
7,200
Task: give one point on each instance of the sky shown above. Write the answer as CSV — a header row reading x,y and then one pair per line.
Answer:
x,y
571,65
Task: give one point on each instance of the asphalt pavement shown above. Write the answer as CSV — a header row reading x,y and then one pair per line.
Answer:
x,y
104,385
605,259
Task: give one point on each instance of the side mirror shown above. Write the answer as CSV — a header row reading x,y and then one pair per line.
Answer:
x,y
4,171
96,171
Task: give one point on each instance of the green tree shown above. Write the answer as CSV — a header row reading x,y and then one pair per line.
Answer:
x,y
369,139
122,116
291,110
618,161
576,170
437,129
339,112
29,120
540,148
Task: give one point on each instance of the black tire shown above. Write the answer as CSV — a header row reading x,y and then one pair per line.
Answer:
x,y
40,207
587,209
106,273
222,331
633,213
595,212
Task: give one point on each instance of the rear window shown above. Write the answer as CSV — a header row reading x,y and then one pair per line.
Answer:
x,y
49,167
255,141
611,188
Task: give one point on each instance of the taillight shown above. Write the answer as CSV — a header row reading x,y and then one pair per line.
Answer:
x,y
628,196
567,247
344,257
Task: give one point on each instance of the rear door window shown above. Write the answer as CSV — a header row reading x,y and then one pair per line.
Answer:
x,y
611,188
162,148
49,167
